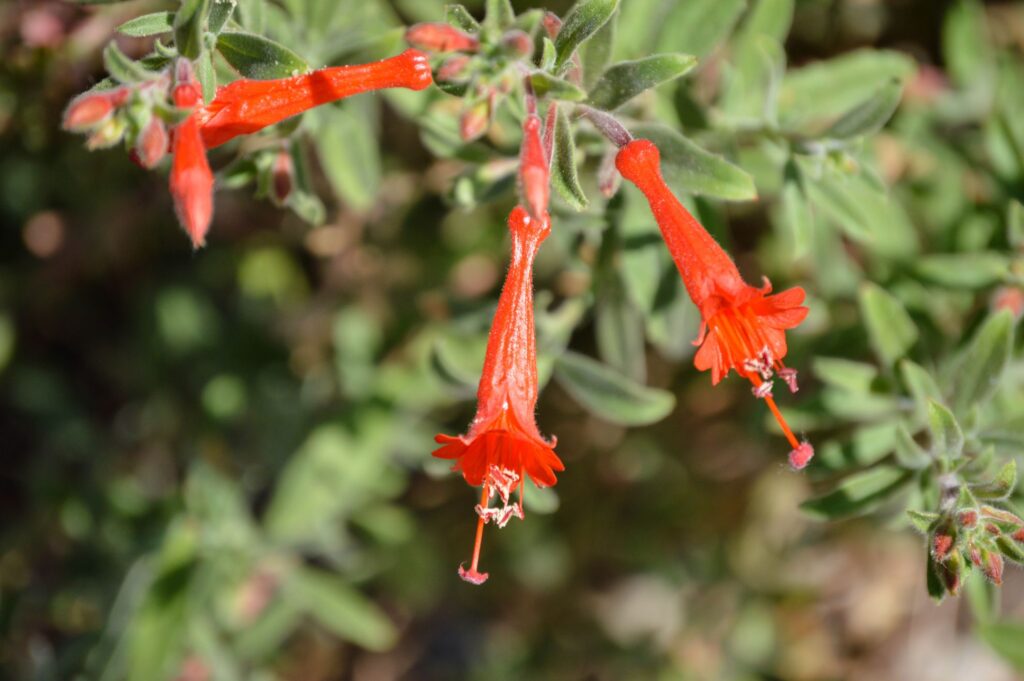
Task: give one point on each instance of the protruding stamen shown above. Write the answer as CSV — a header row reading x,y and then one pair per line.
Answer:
x,y
789,376
801,456
763,391
473,575
501,481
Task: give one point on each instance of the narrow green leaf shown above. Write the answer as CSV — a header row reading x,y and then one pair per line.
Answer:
x,y
1010,548
121,68
1006,639
1001,486
922,520
694,170
596,53
627,79
584,20
869,116
189,24
909,454
619,330
148,24
350,154
257,57
858,493
947,437
207,75
921,384
964,270
698,26
935,587
795,212
610,395
341,609
498,14
1015,224
547,57
967,46
564,175
982,364
220,13
855,377
890,328
546,85
459,17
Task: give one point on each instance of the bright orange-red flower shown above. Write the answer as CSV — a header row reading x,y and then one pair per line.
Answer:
x,y
191,178
247,106
503,444
743,327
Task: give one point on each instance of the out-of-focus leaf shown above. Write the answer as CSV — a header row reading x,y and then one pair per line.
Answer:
x,y
498,14
758,62
964,270
341,609
189,24
254,56
207,75
619,330
922,520
546,85
795,212
626,80
564,176
610,395
697,26
920,383
148,24
459,17
947,437
1005,638
890,328
983,362
350,153
7,340
858,493
584,20
830,88
935,587
1015,224
967,46
695,170
597,52
982,596
851,376
1001,486
121,68
869,116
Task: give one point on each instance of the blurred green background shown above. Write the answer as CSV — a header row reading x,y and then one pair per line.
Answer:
x,y
216,464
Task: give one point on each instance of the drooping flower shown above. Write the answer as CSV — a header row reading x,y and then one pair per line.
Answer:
x,y
246,106
191,178
742,327
503,444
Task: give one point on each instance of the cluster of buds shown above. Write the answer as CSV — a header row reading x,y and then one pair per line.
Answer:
x,y
979,536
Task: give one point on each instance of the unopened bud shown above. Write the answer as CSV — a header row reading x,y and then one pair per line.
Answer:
x,y
475,120
453,68
186,91
151,146
283,177
993,568
949,573
993,529
968,518
975,554
1019,535
1009,298
552,24
438,37
942,544
108,134
518,43
801,456
88,110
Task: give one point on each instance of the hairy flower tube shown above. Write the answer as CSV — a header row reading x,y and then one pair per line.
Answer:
x,y
247,106
742,326
503,444
191,178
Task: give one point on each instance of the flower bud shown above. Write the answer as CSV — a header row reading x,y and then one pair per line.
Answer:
x,y
438,37
453,68
1009,298
151,145
968,518
993,567
1019,535
552,24
108,134
282,177
942,544
475,120
518,43
88,110
949,573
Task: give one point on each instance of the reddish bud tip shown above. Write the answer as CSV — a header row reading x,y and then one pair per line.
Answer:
x,y
438,37
1019,535
453,68
552,24
994,568
941,546
283,177
151,147
472,576
1009,298
967,518
88,110
474,121
518,43
975,554
801,456
993,529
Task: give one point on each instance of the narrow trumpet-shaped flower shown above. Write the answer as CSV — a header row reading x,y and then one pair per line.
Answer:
x,y
503,444
191,178
247,106
743,327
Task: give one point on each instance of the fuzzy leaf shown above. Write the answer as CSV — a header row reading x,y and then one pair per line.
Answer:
x,y
947,437
257,57
597,52
922,520
890,328
220,13
859,493
546,85
851,376
964,270
148,24
695,170
627,79
909,454
1001,486
189,24
459,17
583,21
499,14
920,383
121,68
563,164
697,26
610,395
983,362
869,116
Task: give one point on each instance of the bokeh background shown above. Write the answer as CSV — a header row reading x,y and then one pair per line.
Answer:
x,y
216,463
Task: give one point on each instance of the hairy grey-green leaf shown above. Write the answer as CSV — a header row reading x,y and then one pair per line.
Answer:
x,y
890,328
257,57
547,85
627,79
947,436
564,175
964,270
189,25
609,394
869,116
498,14
584,20
858,493
148,24
909,454
983,362
1015,224
121,68
459,17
